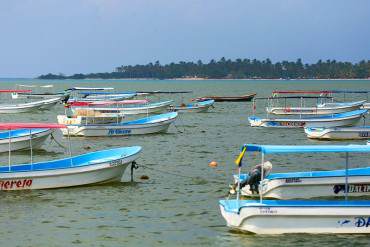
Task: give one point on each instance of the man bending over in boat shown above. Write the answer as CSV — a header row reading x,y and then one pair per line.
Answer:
x,y
254,177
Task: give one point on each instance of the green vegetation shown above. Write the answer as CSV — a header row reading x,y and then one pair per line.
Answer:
x,y
237,69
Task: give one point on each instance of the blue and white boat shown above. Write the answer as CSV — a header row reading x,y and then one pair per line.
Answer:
x,y
311,184
333,120
337,133
301,216
320,109
148,125
91,168
21,139
201,106
98,96
133,109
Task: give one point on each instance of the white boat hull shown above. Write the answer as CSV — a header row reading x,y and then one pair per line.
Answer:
x,y
63,119
39,96
120,130
301,123
29,107
112,97
192,109
68,177
325,109
23,143
145,109
265,219
350,133
311,187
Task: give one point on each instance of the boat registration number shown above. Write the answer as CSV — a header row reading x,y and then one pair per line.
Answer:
x,y
116,163
293,124
15,184
293,180
364,134
119,132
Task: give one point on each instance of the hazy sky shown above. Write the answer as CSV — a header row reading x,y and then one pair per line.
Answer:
x,y
71,36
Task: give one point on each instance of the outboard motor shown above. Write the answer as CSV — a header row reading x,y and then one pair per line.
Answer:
x,y
254,176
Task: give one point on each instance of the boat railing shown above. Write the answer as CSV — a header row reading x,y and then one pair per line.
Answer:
x,y
281,149
13,126
274,101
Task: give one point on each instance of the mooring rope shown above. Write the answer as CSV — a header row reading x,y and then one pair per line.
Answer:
x,y
182,123
54,139
178,174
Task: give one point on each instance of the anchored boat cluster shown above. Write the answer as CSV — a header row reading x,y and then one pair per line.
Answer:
x,y
306,201
89,112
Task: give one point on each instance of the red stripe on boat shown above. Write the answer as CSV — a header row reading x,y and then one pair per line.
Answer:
x,y
96,103
14,91
12,126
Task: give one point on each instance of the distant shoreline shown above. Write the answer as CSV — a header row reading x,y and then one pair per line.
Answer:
x,y
198,79
186,79
227,69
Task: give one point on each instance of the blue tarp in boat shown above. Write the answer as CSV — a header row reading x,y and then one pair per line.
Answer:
x,y
20,133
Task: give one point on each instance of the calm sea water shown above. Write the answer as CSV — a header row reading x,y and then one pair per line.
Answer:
x,y
178,205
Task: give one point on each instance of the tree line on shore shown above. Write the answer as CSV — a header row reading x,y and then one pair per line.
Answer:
x,y
233,69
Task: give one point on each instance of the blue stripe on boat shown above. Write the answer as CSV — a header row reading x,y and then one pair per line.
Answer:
x,y
345,103
146,120
77,161
270,149
164,103
234,206
107,93
206,102
341,115
324,117
151,119
20,133
201,103
317,174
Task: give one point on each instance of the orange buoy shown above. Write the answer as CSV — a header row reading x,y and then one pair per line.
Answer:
x,y
212,164
144,177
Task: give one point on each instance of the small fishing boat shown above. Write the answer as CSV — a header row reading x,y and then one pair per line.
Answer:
x,y
336,133
300,216
147,125
334,120
41,94
361,92
246,97
28,107
94,118
310,184
20,139
302,92
201,106
107,96
329,93
86,115
90,168
320,109
162,92
133,109
91,103
90,88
